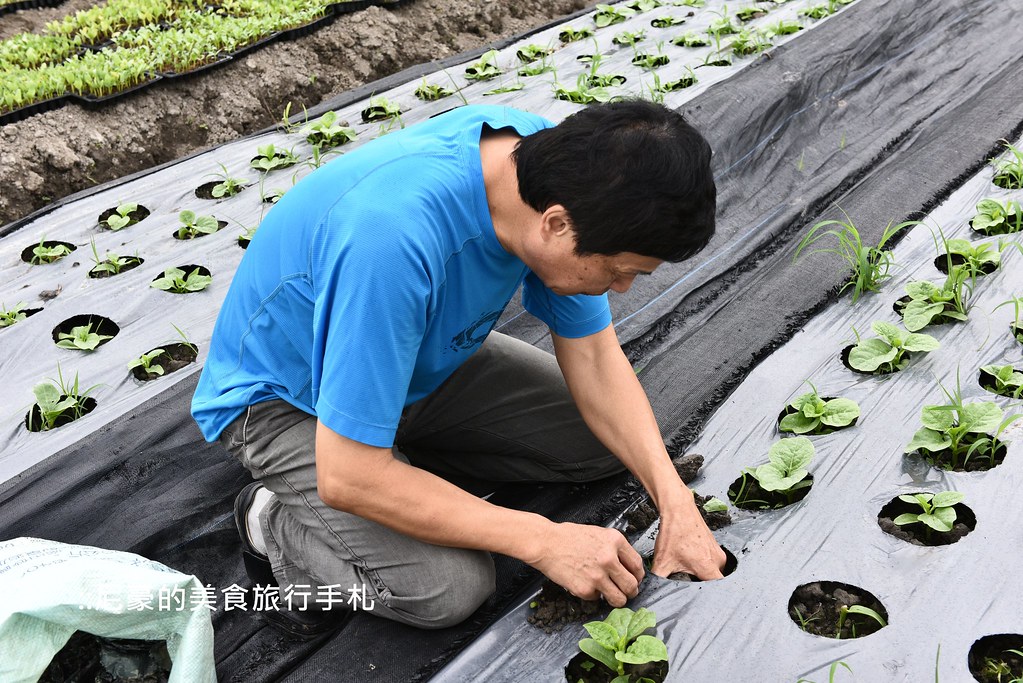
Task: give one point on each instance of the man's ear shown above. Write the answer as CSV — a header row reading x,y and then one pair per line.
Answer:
x,y
556,222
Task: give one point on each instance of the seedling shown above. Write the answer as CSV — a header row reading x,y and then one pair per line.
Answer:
x,y
995,218
750,13
963,430
122,217
976,257
715,505
785,474
749,42
643,5
648,61
619,640
430,93
628,38
582,93
193,226
57,402
326,131
1009,172
270,158
9,316
485,69
1000,671
811,414
937,510
888,351
610,14
1017,322
722,26
228,186
43,254
530,53
570,35
81,338
930,303
691,39
537,68
670,86
1003,380
184,339
667,22
783,28
145,361
380,109
595,79
514,87
111,263
174,280
845,610
870,265
688,3
818,11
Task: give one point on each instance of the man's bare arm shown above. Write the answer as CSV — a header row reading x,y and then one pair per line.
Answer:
x,y
616,409
368,481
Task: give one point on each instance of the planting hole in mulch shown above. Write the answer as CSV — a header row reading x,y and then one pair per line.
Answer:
x,y
34,418
98,324
24,311
992,660
138,215
977,462
174,356
906,355
919,533
731,563
941,263
86,657
817,609
554,607
987,381
192,236
124,264
50,252
643,516
1017,332
820,429
584,668
746,493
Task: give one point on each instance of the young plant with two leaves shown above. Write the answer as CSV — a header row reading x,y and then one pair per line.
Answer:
x,y
327,132
1003,380
176,281
121,218
619,640
193,226
889,350
937,510
995,218
809,413
930,303
10,316
42,254
269,158
82,338
57,403
785,475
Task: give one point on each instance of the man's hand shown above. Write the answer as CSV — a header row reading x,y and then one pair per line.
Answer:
x,y
685,544
590,562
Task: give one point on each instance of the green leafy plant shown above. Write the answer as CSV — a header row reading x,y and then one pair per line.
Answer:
x,y
111,263
818,11
843,615
749,42
930,303
960,431
145,361
57,402
611,14
484,69
937,510
1003,380
722,25
380,109
978,258
81,338
628,38
811,414
870,264
430,93
582,93
667,21
888,351
570,35
327,131
646,60
783,27
785,474
43,254
1009,172
270,157
643,5
9,316
122,217
193,226
530,53
175,280
1001,671
619,640
996,218
715,505
514,87
749,13
689,79
226,186
691,39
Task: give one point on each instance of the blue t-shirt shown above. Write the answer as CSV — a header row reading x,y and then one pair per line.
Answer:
x,y
372,280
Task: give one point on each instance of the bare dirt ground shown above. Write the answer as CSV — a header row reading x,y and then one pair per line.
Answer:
x,y
56,153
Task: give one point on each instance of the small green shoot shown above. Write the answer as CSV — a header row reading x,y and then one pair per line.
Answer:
x,y
845,610
43,254
784,474
430,93
193,226
749,42
484,69
667,22
937,510
887,352
270,157
57,402
643,5
1009,172
715,505
571,35
1017,321
832,671
811,414
327,132
10,316
228,186
611,14
619,640
145,361
691,39
996,218
628,38
1003,380
930,303
122,217
749,13
582,93
81,338
530,53
111,263
380,109
176,281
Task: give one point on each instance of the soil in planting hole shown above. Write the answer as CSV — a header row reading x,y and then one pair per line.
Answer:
x,y
816,608
220,226
919,533
643,516
554,607
978,462
27,253
987,381
822,428
584,668
138,215
98,323
941,263
34,417
174,357
906,355
130,262
731,563
746,493
86,657
991,660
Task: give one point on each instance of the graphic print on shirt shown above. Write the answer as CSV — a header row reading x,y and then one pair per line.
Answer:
x,y
474,334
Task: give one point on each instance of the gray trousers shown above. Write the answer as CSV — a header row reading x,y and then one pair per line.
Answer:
x,y
505,415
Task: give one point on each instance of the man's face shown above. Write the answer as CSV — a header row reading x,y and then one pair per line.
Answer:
x,y
595,274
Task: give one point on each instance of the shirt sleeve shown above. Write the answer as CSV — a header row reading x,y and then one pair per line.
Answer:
x,y
568,316
369,321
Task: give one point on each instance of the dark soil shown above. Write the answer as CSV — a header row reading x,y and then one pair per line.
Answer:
x,y
99,323
906,355
86,658
556,607
643,516
745,493
976,463
989,658
822,428
582,668
56,153
818,605
34,419
688,466
987,381
731,563
139,214
941,263
174,357
919,533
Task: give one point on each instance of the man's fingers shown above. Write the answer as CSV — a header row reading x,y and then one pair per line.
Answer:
x,y
632,561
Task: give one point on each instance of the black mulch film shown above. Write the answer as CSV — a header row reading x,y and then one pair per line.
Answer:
x,y
884,110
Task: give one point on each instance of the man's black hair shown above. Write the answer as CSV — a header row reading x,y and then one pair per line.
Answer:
x,y
634,176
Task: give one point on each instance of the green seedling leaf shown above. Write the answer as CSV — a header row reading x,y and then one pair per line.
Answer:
x,y
939,418
645,649
715,505
640,621
918,314
839,412
605,633
872,353
888,332
797,423
980,417
930,440
920,342
605,656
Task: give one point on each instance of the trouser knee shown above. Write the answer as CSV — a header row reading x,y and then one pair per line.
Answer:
x,y
448,591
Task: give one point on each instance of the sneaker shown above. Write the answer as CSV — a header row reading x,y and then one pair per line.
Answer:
x,y
301,623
